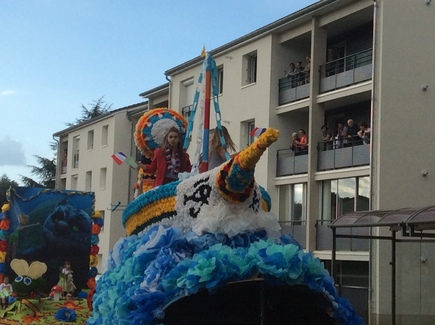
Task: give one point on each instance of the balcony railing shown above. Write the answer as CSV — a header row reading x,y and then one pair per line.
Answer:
x,y
296,229
346,71
324,238
186,111
289,164
289,91
333,155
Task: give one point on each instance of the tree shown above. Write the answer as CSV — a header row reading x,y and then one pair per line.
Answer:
x,y
5,184
98,107
46,172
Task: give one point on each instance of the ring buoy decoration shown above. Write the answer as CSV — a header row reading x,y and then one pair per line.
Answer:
x,y
152,127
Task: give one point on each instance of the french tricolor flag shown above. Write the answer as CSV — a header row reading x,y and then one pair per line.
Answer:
x,y
256,132
119,157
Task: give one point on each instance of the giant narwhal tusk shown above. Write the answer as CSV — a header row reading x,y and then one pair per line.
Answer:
x,y
235,179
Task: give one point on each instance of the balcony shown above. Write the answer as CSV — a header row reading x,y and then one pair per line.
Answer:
x,y
346,71
290,92
296,229
324,238
290,164
186,111
332,155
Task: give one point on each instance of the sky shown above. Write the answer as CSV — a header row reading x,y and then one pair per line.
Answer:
x,y
57,55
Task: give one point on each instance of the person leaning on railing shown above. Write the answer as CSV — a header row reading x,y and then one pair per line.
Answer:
x,y
293,144
303,142
364,133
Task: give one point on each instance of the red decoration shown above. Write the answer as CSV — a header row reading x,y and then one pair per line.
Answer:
x,y
94,249
4,224
95,229
3,245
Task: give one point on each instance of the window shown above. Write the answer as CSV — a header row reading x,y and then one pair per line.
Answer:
x,y
105,135
76,145
100,261
186,111
91,140
103,175
64,163
102,218
344,195
246,128
250,68
292,202
74,179
220,80
88,184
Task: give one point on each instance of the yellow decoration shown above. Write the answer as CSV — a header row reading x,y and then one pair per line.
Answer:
x,y
5,207
153,210
97,214
93,260
2,257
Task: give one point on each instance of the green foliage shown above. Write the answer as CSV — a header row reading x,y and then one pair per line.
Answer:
x,y
46,172
97,108
5,184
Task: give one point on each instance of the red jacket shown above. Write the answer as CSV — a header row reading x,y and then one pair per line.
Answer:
x,y
159,164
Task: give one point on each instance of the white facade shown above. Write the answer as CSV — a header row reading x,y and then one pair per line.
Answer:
x,y
88,148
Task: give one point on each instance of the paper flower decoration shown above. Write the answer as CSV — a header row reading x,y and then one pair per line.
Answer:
x,y
65,315
152,127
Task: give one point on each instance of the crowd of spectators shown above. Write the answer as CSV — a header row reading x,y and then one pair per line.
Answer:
x,y
298,74
346,136
343,136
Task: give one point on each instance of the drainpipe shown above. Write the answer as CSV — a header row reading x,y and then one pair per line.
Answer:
x,y
169,90
58,163
372,100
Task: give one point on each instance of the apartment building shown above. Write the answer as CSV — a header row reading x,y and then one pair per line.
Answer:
x,y
85,164
370,62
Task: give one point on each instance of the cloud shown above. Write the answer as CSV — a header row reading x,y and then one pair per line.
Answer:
x,y
11,153
7,92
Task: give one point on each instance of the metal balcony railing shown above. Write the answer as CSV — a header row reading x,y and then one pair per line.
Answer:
x,y
324,238
290,90
346,71
289,163
186,111
335,154
296,229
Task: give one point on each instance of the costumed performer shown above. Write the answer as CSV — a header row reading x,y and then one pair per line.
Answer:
x,y
5,292
216,150
169,160
66,281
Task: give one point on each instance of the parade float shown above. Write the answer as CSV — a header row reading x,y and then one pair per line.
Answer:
x,y
206,250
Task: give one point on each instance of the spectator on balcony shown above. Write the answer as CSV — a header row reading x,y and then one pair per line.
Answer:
x,y
307,69
293,144
299,74
364,133
352,130
346,138
291,74
303,142
338,139
327,136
